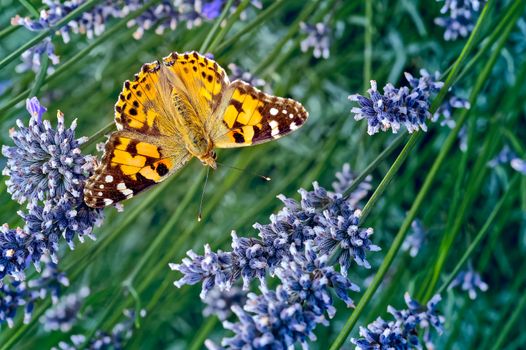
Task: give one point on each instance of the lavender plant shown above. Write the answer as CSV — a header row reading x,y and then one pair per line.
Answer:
x,y
15,295
167,14
46,170
405,330
460,19
299,247
469,281
405,106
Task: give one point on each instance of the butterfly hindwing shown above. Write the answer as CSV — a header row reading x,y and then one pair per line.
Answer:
x,y
250,116
131,164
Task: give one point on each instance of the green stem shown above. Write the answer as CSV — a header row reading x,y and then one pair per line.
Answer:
x,y
8,30
215,27
390,175
374,164
71,16
293,29
161,237
368,49
489,41
463,55
40,76
399,238
249,27
34,12
503,334
479,172
483,231
199,339
231,21
97,135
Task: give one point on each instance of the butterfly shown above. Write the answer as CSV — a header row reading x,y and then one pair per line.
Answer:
x,y
180,108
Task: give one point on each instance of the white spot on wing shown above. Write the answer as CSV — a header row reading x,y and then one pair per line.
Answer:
x,y
101,186
107,201
127,192
100,194
293,126
273,111
121,186
108,178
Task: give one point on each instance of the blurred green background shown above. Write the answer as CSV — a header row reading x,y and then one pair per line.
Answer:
x,y
393,36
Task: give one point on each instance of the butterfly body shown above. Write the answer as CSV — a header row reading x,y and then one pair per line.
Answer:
x,y
177,109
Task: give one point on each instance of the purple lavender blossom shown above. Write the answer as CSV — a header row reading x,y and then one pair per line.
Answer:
x,y
403,332
318,38
45,163
15,254
344,180
413,242
47,170
460,20
115,339
278,319
237,72
505,156
13,296
339,235
469,281
64,314
220,303
288,249
16,294
519,165
31,59
407,106
320,216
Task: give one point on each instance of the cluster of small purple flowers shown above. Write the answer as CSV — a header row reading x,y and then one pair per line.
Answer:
x,y
115,339
165,15
299,247
318,38
460,20
46,171
508,156
403,332
18,294
236,72
413,242
469,281
64,314
405,106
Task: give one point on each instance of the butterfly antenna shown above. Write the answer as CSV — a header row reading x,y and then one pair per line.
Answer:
x,y
266,178
199,215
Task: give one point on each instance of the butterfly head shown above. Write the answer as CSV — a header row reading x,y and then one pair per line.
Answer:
x,y
209,159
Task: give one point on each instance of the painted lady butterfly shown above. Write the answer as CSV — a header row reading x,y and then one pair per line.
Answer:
x,y
180,108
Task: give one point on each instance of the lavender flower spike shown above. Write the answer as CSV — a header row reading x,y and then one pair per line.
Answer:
x,y
403,332
45,163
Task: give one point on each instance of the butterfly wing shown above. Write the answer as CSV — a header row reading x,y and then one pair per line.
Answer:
x,y
203,80
131,164
247,116
147,147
